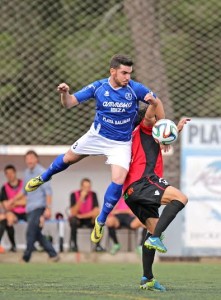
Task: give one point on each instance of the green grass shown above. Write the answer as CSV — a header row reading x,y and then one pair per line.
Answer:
x,y
184,281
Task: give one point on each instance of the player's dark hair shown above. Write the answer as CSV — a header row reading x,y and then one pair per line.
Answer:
x,y
119,59
32,152
85,179
141,115
9,167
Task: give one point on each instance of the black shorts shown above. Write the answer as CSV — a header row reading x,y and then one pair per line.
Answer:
x,y
144,197
21,217
124,219
80,223
88,223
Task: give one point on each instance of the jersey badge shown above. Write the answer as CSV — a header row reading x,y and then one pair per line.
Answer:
x,y
128,96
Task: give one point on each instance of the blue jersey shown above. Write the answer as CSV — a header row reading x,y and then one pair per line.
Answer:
x,y
116,109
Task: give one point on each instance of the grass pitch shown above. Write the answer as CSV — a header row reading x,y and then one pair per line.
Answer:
x,y
184,281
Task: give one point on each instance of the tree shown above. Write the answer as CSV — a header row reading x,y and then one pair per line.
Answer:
x,y
149,65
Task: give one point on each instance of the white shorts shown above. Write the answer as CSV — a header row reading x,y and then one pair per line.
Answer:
x,y
92,143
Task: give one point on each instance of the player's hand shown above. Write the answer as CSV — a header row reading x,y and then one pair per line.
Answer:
x,y
47,213
150,99
7,205
181,123
79,216
13,202
41,221
165,148
63,88
83,195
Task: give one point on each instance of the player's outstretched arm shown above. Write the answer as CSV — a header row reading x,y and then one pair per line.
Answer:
x,y
180,126
149,118
181,123
160,113
67,100
151,99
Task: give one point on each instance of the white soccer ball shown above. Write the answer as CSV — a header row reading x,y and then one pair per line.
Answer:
x,y
165,132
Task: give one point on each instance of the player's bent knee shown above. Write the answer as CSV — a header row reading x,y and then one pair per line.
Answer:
x,y
172,193
183,199
118,175
118,179
71,157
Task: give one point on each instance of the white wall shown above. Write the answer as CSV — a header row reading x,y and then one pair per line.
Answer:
x,y
94,168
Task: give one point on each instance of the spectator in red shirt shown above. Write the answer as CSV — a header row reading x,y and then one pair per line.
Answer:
x,y
14,209
2,225
84,208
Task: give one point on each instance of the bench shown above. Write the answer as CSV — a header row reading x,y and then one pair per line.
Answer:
x,y
127,237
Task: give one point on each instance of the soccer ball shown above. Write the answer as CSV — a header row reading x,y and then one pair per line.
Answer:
x,y
165,132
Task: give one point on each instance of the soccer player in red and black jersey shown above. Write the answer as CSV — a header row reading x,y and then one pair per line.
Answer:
x,y
146,190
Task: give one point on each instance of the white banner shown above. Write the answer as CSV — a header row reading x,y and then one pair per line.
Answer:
x,y
203,224
203,177
201,181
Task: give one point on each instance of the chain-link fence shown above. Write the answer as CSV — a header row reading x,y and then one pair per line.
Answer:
x,y
175,45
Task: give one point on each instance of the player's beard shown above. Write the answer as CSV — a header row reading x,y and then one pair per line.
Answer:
x,y
119,83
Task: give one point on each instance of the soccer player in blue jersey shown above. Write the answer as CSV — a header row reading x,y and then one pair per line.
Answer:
x,y
117,100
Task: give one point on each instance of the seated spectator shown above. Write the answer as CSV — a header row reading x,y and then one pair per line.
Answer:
x,y
14,208
84,208
2,225
122,216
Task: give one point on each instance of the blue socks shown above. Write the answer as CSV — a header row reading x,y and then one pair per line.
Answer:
x,y
111,197
57,166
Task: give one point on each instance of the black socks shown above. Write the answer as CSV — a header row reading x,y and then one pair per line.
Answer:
x,y
11,235
167,216
147,259
2,228
143,236
112,234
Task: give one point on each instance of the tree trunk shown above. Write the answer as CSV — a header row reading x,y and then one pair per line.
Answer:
x,y
144,21
149,67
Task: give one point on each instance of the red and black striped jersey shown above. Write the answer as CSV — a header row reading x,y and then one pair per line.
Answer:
x,y
146,156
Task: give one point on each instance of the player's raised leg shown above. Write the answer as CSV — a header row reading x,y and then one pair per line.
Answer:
x,y
111,197
60,163
175,201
